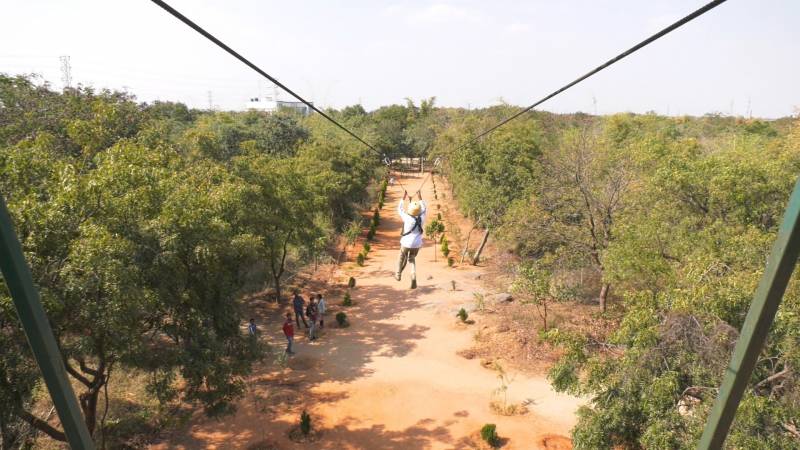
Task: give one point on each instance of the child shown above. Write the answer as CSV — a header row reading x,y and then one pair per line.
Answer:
x,y
321,306
288,331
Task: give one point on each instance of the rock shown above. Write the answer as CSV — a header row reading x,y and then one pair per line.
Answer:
x,y
501,298
476,276
430,277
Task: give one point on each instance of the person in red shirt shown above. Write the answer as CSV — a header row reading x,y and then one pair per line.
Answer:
x,y
288,331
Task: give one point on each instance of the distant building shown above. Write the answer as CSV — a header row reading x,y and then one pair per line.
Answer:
x,y
271,104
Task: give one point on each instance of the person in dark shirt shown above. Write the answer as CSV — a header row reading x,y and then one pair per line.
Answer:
x,y
252,329
313,315
298,303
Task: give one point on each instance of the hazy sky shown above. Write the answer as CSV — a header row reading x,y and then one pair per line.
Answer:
x,y
743,56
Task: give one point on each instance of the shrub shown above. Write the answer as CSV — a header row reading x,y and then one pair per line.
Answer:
x,y
305,423
489,434
360,259
445,247
341,319
367,247
451,261
347,300
439,217
351,283
462,314
377,216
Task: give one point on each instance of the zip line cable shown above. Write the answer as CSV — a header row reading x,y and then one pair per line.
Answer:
x,y
708,7
241,58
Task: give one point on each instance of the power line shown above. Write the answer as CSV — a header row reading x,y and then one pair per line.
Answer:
x,y
708,7
241,58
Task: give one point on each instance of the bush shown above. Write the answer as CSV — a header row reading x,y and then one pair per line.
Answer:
x,y
360,259
445,247
367,247
341,319
439,217
305,423
347,300
462,314
351,283
489,434
451,261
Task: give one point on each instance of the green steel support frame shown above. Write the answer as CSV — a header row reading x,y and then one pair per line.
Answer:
x,y
40,336
768,296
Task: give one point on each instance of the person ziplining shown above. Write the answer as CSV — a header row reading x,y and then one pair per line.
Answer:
x,y
411,237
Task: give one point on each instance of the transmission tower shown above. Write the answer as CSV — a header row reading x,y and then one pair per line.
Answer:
x,y
66,71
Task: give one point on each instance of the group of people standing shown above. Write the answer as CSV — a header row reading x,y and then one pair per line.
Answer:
x,y
314,311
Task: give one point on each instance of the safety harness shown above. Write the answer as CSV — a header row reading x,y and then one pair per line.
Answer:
x,y
417,225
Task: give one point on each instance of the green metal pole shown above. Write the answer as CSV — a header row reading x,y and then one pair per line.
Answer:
x,y
40,336
768,296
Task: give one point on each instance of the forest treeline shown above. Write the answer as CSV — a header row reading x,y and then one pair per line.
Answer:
x,y
665,223
146,225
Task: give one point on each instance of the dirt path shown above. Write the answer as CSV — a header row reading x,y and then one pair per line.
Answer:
x,y
392,380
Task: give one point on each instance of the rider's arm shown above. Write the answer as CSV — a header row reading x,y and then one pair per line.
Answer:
x,y
401,210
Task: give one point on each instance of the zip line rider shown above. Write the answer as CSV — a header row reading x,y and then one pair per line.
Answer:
x,y
411,238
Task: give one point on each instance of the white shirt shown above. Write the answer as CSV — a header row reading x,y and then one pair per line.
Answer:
x,y
321,306
414,239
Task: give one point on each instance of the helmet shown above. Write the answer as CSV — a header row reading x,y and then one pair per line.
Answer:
x,y
414,208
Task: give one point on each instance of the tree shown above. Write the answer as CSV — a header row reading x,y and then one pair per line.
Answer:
x,y
433,230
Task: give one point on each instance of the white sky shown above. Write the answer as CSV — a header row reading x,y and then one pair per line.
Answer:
x,y
743,56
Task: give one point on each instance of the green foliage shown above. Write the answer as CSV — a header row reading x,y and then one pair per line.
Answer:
x,y
451,261
352,231
347,300
489,434
341,319
367,248
376,218
445,246
674,217
462,314
351,283
434,229
144,225
305,423
360,258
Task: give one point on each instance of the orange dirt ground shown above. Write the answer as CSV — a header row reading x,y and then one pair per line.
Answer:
x,y
393,379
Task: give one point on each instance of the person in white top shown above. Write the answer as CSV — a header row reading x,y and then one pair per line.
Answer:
x,y
321,306
411,238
